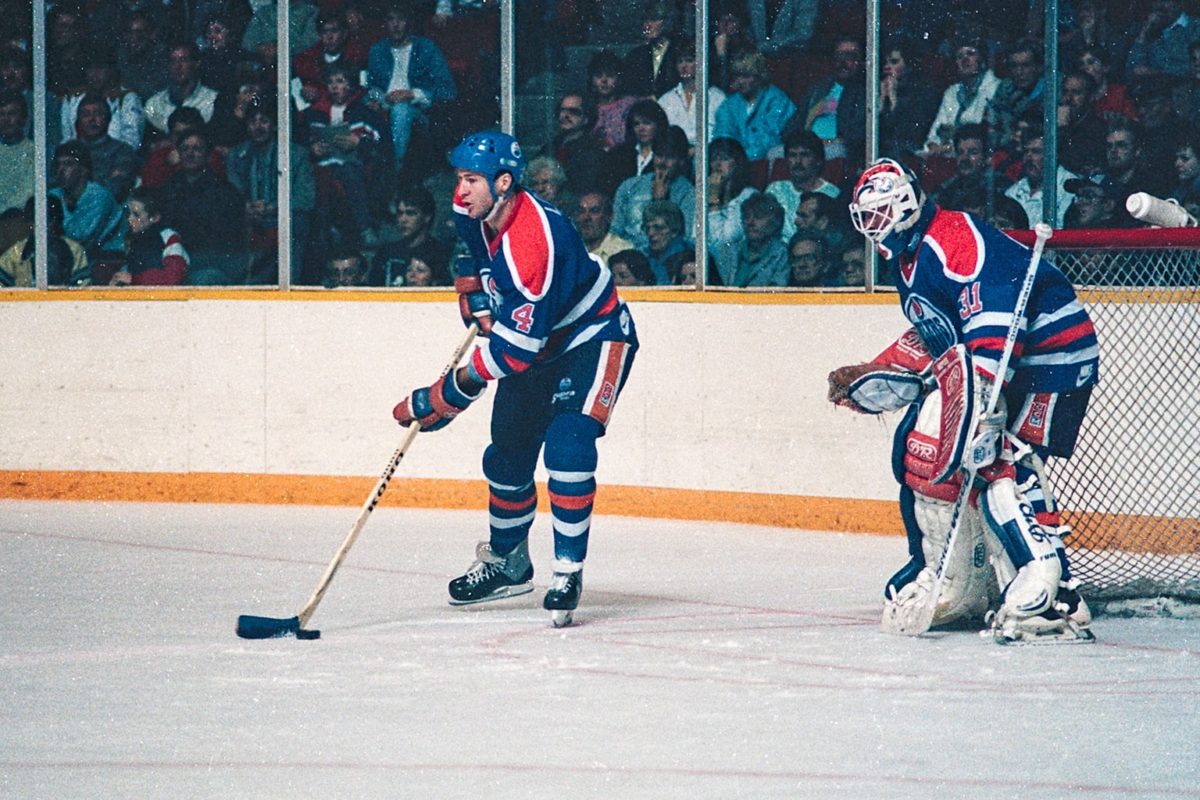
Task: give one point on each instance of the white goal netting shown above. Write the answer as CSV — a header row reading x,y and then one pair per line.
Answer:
x,y
1132,491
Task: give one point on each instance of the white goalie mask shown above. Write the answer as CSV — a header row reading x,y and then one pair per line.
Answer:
x,y
887,199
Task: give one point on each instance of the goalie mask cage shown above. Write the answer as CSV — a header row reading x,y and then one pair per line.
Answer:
x,y
1131,492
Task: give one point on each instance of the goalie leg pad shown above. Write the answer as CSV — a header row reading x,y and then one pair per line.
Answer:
x,y
968,585
916,555
1034,484
1029,546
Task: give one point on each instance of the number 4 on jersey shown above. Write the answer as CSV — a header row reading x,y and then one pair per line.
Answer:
x,y
523,317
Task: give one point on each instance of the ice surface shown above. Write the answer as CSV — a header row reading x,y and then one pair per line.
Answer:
x,y
707,661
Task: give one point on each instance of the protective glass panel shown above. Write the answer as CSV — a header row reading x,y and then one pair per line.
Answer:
x,y
18,170
366,127
601,145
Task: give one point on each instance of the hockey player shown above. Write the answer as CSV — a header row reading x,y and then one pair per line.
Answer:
x,y
560,342
959,280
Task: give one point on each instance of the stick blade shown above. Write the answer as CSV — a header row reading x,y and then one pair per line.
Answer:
x,y
251,627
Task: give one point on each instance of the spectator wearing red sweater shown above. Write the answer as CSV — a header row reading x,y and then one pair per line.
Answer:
x,y
334,47
154,253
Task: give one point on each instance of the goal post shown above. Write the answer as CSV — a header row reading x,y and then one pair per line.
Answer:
x,y
1131,492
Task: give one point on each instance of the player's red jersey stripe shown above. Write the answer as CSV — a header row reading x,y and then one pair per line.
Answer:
x,y
515,364
609,304
527,240
1071,334
957,238
994,343
480,367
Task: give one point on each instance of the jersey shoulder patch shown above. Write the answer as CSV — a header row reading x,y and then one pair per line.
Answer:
x,y
956,240
528,247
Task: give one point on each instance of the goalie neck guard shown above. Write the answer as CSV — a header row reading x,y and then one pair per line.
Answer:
x,y
887,203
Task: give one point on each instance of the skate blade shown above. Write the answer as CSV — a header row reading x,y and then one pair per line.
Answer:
x,y
1080,636
561,618
506,591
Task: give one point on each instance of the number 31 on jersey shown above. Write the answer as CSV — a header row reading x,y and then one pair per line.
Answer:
x,y
968,301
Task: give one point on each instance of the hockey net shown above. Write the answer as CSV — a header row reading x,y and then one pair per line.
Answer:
x,y
1131,493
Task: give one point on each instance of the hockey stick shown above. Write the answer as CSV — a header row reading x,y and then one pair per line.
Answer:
x,y
919,620
251,627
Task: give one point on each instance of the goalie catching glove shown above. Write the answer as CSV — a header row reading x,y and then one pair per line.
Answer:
x,y
874,388
892,380
435,406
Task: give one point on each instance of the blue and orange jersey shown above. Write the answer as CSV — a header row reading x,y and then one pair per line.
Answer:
x,y
549,294
962,285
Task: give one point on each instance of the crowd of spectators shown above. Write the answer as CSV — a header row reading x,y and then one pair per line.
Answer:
x,y
162,130
162,137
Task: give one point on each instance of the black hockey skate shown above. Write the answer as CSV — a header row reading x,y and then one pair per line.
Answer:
x,y
562,598
493,577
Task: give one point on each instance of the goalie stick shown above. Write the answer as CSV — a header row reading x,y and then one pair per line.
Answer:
x,y
252,627
919,619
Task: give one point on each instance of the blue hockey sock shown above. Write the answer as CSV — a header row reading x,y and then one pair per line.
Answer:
x,y
571,462
512,499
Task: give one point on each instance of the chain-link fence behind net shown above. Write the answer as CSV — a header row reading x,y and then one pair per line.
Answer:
x,y
1131,493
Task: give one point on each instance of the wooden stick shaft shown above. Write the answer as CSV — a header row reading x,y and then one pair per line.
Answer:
x,y
373,499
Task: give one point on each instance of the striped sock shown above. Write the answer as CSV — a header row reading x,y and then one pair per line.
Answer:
x,y
511,510
571,497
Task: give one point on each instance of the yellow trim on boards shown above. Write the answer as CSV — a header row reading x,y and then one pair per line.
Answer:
x,y
843,515
343,295
819,297
784,511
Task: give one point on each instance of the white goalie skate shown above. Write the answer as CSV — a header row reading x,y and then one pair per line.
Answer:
x,y
1067,621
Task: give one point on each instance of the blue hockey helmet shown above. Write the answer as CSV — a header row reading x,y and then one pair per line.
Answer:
x,y
489,153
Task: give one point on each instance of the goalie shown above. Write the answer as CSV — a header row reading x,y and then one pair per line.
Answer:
x,y
959,281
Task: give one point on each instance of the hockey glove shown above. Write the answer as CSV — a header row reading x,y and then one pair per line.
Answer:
x,y
988,443
874,388
433,407
474,305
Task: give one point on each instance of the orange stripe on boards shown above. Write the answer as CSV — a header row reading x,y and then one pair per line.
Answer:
x,y
230,487
1173,536
1165,535
1130,533
788,511
776,510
